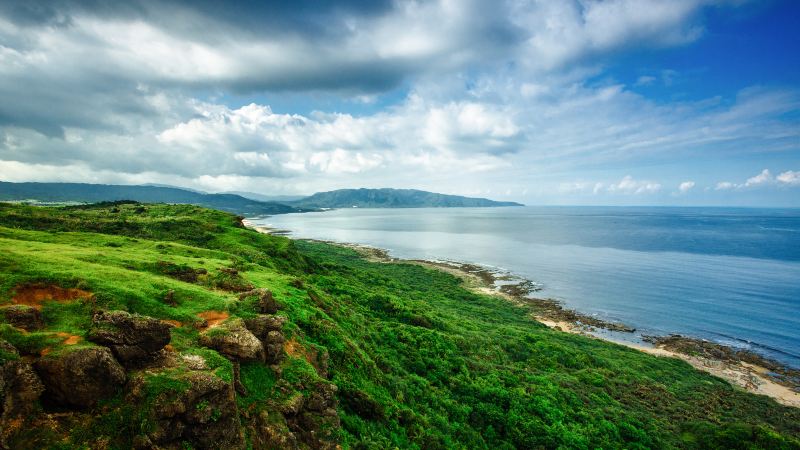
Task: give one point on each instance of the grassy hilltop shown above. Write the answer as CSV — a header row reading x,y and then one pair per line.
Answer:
x,y
274,343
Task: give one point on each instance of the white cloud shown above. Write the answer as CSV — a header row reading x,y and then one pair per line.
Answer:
x,y
789,177
472,119
686,186
628,185
724,186
563,31
645,80
765,177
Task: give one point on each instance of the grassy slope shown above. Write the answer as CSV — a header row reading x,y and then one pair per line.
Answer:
x,y
419,361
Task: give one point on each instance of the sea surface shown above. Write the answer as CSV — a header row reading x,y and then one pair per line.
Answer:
x,y
730,275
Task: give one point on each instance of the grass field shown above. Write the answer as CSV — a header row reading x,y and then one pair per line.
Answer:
x,y
419,361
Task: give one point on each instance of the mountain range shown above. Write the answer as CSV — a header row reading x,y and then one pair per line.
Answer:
x,y
244,203
393,198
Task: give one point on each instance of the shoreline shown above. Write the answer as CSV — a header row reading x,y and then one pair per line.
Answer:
x,y
741,368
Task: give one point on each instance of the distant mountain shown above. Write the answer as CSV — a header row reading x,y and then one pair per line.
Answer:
x,y
91,193
392,198
268,198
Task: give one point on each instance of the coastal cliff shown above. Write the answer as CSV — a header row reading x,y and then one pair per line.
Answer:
x,y
125,325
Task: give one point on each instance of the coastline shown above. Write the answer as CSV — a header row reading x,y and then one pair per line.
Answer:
x,y
740,368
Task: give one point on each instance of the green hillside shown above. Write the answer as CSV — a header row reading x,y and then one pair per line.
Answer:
x,y
126,325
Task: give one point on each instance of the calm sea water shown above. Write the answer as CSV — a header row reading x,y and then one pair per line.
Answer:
x,y
729,275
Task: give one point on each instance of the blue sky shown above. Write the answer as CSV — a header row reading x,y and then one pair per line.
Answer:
x,y
682,102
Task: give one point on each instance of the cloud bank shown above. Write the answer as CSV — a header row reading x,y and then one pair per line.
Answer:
x,y
459,96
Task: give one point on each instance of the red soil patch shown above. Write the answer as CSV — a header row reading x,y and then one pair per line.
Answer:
x,y
174,323
296,349
69,339
35,295
213,318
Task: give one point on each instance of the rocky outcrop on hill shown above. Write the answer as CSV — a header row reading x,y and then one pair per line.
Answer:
x,y
266,303
134,339
313,418
23,316
267,328
20,388
80,377
203,414
234,340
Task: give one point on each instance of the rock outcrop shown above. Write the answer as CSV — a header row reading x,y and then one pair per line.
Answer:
x,y
234,340
23,316
267,328
266,300
313,418
203,414
21,388
134,339
80,377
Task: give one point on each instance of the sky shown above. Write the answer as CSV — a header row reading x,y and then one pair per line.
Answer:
x,y
617,102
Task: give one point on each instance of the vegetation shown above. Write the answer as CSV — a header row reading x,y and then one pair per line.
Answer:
x,y
418,361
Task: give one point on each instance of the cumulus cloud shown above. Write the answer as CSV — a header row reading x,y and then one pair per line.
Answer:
x,y
790,177
628,185
686,186
762,179
724,186
477,92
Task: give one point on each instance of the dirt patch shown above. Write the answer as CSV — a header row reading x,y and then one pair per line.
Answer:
x,y
297,350
174,323
213,318
35,295
69,339
294,349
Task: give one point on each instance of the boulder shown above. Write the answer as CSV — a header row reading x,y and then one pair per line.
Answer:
x,y
203,414
266,301
134,339
22,316
234,340
315,420
273,347
22,388
80,377
266,431
7,349
267,328
261,325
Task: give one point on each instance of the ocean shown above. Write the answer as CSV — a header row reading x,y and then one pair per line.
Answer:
x,y
731,275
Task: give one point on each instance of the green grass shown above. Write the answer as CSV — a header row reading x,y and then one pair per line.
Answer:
x,y
420,361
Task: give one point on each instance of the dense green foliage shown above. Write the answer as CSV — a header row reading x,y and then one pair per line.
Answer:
x,y
420,362
392,198
80,192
